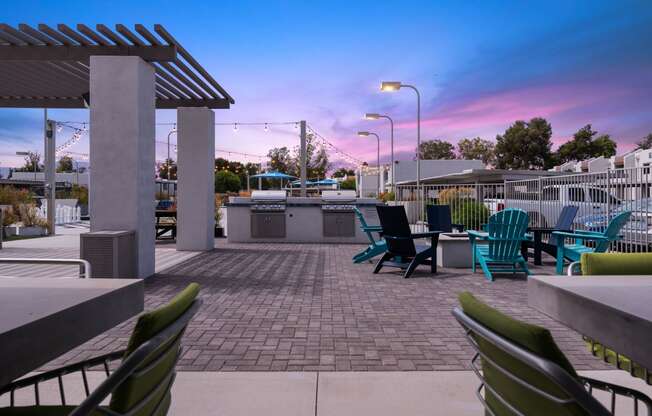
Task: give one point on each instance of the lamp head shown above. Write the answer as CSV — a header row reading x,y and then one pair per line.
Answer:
x,y
390,86
372,116
363,133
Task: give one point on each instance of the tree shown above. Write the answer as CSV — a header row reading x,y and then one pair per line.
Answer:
x,y
525,145
343,173
436,149
32,163
226,181
168,170
318,163
477,149
583,146
65,164
280,160
645,143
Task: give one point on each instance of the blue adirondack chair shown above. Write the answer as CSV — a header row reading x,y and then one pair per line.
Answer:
x,y
601,240
502,252
376,247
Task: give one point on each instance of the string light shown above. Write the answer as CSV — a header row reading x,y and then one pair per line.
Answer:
x,y
235,127
266,128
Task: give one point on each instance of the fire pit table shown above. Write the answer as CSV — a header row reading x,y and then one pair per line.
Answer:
x,y
454,250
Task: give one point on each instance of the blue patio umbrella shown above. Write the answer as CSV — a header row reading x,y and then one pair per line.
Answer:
x,y
326,182
274,175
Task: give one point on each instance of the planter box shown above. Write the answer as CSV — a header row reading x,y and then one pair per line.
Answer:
x,y
31,231
219,232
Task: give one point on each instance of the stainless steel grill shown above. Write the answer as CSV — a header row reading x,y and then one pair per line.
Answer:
x,y
338,201
268,201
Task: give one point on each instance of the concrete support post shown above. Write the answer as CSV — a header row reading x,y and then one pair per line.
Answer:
x,y
122,128
49,166
303,158
196,179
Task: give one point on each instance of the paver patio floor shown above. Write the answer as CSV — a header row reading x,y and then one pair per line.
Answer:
x,y
305,307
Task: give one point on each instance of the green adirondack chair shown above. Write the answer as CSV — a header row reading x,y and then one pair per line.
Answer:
x,y
502,252
376,247
602,240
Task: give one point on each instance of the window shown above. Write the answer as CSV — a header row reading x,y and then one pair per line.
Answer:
x,y
576,194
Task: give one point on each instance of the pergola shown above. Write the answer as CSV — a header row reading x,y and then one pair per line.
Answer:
x,y
122,76
46,67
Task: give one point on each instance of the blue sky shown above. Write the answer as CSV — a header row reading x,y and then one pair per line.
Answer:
x,y
479,66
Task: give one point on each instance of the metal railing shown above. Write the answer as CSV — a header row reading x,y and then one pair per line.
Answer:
x,y
599,197
471,204
84,266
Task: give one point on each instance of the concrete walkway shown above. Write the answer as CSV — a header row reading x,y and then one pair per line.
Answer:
x,y
429,393
65,244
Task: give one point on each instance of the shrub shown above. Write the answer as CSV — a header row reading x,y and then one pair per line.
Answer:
x,y
14,197
451,196
470,213
387,196
348,184
226,181
30,218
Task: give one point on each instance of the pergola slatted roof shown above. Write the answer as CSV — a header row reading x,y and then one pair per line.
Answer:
x,y
47,67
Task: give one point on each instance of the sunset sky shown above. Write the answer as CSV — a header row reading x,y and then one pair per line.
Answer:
x,y
479,65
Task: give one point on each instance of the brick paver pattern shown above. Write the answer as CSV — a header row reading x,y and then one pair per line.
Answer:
x,y
307,307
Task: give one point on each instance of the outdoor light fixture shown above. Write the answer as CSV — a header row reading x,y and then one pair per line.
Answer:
x,y
390,86
376,116
395,86
368,133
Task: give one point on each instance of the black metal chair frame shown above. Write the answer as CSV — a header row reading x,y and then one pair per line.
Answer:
x,y
427,256
539,245
580,392
435,225
170,336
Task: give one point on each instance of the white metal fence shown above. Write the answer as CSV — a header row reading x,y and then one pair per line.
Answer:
x,y
599,197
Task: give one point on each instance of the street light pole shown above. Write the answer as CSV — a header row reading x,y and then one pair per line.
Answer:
x,y
375,116
367,133
167,162
395,86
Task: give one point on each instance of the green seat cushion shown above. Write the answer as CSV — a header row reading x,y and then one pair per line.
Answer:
x,y
151,323
41,411
618,360
616,264
530,337
140,384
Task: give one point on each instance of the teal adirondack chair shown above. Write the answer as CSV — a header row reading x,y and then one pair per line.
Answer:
x,y
602,240
376,247
502,252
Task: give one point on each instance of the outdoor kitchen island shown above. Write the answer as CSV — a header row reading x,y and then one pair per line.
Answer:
x,y
271,216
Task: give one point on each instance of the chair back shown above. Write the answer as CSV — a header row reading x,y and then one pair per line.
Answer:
x,y
506,230
363,224
564,222
439,218
517,381
612,231
151,356
396,230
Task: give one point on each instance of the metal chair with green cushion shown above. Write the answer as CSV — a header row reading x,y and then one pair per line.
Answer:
x,y
141,383
504,233
601,240
618,264
376,247
523,371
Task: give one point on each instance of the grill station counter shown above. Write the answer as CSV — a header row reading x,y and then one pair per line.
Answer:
x,y
271,216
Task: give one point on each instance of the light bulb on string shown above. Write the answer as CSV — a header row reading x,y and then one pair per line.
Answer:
x,y
266,128
235,127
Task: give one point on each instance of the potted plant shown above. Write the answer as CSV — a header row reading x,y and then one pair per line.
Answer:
x,y
32,223
219,230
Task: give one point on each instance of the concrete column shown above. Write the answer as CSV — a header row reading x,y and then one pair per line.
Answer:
x,y
196,179
303,158
122,127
